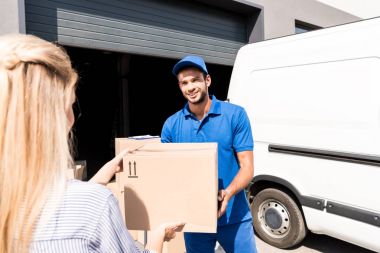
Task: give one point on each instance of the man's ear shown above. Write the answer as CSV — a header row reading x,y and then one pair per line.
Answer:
x,y
208,80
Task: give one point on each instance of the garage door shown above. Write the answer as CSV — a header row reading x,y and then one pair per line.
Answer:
x,y
148,27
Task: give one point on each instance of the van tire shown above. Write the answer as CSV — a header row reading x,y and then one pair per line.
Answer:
x,y
277,218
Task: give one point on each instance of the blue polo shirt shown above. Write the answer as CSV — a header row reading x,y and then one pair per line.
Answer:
x,y
228,125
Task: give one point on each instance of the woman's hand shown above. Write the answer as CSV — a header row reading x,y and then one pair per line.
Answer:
x,y
165,232
170,230
104,175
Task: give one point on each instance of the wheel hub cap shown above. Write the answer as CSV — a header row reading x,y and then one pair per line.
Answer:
x,y
274,218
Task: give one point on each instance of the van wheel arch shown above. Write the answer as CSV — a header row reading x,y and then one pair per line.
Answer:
x,y
262,182
278,195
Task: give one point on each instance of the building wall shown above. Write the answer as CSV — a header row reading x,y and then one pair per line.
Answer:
x,y
363,9
278,17
12,16
168,29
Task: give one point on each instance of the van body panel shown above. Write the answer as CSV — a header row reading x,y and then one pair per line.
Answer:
x,y
315,98
337,226
320,178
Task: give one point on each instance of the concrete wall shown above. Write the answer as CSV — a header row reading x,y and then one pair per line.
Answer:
x,y
363,9
12,16
278,16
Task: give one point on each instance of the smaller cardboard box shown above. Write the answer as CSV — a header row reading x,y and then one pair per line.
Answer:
x,y
76,173
166,182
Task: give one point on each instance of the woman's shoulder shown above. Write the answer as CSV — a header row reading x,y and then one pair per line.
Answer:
x,y
86,191
75,185
77,214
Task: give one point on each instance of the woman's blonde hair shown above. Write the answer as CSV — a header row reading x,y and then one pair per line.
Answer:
x,y
37,83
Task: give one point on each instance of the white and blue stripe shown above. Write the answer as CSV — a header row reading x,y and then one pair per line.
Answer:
x,y
87,219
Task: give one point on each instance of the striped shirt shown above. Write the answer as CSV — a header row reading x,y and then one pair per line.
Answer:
x,y
88,219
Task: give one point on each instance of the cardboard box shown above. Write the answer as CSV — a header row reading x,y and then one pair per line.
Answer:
x,y
176,245
131,143
166,182
134,142
117,193
76,173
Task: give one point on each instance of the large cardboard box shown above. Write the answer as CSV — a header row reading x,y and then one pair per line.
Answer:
x,y
134,142
177,244
166,182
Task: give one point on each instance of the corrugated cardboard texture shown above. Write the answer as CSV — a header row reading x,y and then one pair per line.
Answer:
x,y
166,182
132,144
116,192
176,245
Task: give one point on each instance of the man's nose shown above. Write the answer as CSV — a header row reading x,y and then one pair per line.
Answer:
x,y
190,86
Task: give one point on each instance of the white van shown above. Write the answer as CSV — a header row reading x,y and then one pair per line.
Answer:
x,y
313,100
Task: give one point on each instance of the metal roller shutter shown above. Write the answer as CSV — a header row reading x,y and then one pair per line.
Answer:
x,y
149,27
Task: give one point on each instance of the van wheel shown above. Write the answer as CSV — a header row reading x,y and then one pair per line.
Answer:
x,y
277,218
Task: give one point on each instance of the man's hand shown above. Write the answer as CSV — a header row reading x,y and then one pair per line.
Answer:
x,y
223,197
240,181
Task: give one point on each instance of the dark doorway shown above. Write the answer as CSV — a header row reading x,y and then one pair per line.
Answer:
x,y
154,94
124,95
97,98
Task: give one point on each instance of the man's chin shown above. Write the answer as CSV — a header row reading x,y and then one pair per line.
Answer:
x,y
194,101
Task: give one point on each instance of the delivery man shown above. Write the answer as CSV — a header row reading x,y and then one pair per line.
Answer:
x,y
206,119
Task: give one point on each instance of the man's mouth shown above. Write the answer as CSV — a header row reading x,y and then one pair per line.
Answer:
x,y
192,94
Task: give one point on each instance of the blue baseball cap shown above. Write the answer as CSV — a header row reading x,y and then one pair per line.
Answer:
x,y
190,61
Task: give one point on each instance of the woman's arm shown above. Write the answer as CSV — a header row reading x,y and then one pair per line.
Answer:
x,y
104,175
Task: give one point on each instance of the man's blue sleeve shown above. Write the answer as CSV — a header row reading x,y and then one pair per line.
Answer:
x,y
166,135
243,140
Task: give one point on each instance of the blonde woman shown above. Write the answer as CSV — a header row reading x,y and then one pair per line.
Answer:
x,y
40,211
